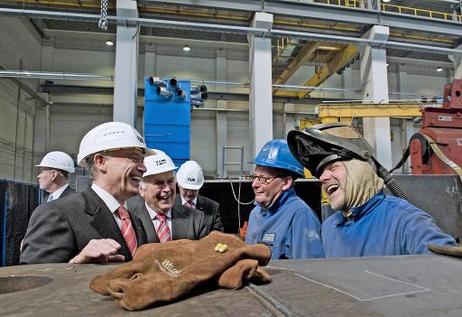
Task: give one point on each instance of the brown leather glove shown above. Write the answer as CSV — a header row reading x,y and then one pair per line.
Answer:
x,y
164,272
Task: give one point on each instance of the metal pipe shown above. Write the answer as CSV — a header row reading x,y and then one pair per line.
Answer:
x,y
279,86
51,75
219,28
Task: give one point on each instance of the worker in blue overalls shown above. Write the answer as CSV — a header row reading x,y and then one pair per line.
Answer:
x,y
367,222
280,218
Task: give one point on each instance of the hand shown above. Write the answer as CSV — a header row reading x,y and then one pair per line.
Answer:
x,y
99,251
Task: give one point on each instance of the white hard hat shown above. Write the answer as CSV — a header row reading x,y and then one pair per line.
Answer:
x,y
158,163
190,175
58,160
109,136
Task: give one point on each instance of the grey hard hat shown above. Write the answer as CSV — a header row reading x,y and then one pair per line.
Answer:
x,y
321,144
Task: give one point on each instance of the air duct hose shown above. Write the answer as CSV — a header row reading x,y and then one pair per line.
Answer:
x,y
389,180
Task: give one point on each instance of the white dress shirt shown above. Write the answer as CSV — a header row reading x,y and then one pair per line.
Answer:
x,y
110,202
55,195
156,222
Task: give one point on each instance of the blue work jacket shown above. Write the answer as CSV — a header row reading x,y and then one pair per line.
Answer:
x,y
385,225
289,227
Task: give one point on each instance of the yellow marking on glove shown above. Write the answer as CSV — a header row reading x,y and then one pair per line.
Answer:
x,y
221,247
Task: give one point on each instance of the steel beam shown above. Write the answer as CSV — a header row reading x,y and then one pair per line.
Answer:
x,y
329,13
348,111
220,28
343,57
305,53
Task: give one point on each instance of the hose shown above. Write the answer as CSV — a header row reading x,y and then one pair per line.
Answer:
x,y
389,180
237,199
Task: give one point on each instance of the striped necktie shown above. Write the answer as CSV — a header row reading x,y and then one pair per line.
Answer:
x,y
163,231
127,229
189,204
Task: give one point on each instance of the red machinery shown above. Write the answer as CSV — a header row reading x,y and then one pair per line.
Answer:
x,y
437,148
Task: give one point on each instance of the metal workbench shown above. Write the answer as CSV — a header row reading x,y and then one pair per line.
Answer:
x,y
423,285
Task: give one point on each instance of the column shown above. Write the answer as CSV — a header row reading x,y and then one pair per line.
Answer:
x,y
374,79
260,90
126,65
221,121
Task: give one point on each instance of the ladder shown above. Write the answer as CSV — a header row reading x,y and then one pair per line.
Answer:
x,y
224,162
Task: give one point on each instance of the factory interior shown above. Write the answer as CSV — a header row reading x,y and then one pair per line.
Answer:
x,y
214,81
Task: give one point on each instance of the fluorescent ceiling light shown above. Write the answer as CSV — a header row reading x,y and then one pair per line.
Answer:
x,y
186,48
439,69
386,1
109,43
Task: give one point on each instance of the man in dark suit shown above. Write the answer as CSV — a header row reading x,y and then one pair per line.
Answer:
x,y
93,226
163,221
53,177
190,178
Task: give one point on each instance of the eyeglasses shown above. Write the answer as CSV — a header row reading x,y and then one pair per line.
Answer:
x,y
262,179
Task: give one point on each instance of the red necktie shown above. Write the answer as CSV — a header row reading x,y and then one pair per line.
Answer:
x,y
189,204
163,231
127,229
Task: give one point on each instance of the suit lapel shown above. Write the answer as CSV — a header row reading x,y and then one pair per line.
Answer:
x,y
147,221
68,191
200,203
180,223
104,223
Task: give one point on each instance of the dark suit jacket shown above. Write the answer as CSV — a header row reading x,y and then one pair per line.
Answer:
x,y
60,229
187,223
68,191
210,209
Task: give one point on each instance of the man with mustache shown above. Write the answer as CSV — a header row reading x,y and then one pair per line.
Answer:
x,y
93,226
367,222
280,218
162,219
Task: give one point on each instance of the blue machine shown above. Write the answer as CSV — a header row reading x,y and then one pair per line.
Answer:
x,y
167,117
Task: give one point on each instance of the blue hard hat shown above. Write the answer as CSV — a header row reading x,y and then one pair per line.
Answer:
x,y
276,154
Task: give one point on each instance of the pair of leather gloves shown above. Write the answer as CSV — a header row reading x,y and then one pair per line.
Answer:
x,y
164,272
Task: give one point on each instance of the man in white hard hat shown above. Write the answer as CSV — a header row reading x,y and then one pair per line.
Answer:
x,y
163,221
93,226
190,178
53,177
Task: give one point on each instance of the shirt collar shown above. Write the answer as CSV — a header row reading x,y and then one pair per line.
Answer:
x,y
281,200
59,191
360,211
108,199
184,201
153,214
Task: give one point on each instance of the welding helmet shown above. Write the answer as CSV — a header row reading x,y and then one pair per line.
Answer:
x,y
321,144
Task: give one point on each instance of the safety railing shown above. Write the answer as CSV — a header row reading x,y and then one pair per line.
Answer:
x,y
421,12
343,3
432,14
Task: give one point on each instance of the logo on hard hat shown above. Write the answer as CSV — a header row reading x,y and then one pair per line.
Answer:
x,y
113,132
191,179
161,162
140,139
